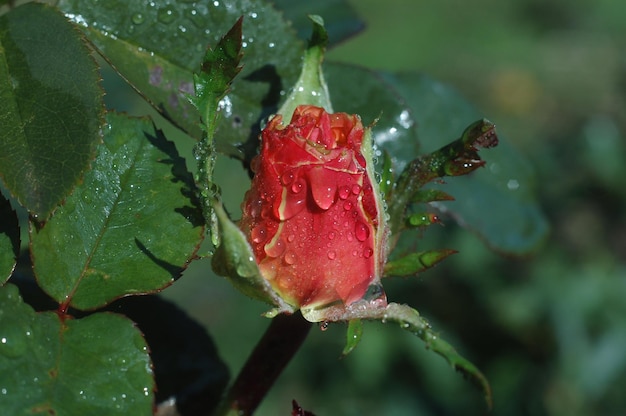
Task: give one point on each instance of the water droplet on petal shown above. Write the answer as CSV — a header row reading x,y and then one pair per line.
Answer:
x,y
347,205
331,235
298,185
323,184
287,178
259,234
332,254
367,253
356,189
290,238
344,192
361,231
290,257
275,248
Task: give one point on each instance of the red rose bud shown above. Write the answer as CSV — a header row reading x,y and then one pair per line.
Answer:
x,y
312,215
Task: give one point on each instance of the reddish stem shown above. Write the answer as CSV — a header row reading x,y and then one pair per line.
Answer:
x,y
279,344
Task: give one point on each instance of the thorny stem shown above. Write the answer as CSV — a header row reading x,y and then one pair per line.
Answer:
x,y
279,344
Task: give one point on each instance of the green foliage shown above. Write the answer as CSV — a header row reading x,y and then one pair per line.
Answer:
x,y
113,210
51,116
49,364
130,227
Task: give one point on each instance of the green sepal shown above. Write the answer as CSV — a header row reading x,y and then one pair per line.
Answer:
x,y
431,195
415,263
234,260
353,336
386,174
311,88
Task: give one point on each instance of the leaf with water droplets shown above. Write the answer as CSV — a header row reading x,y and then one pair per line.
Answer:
x,y
157,46
130,227
9,239
94,365
51,112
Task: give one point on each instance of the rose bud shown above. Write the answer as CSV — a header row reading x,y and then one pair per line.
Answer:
x,y
313,216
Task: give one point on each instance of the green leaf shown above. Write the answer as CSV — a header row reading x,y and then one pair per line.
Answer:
x,y
89,366
130,227
353,336
157,46
414,263
497,202
340,18
51,106
9,239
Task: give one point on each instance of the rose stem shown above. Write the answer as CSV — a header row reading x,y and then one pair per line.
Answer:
x,y
279,344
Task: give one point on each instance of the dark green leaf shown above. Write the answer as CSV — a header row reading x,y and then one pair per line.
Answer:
x,y
130,227
340,19
51,106
9,239
90,366
158,45
497,202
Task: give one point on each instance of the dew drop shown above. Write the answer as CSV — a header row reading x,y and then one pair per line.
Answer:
x,y
350,237
290,258
332,254
287,178
275,248
347,205
259,234
166,15
361,231
344,192
331,235
356,189
290,238
298,185
367,253
138,18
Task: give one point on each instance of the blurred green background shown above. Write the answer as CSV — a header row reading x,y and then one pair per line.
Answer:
x,y
549,330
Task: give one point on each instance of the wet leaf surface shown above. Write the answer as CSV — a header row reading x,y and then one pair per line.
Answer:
x,y
130,227
51,111
70,366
